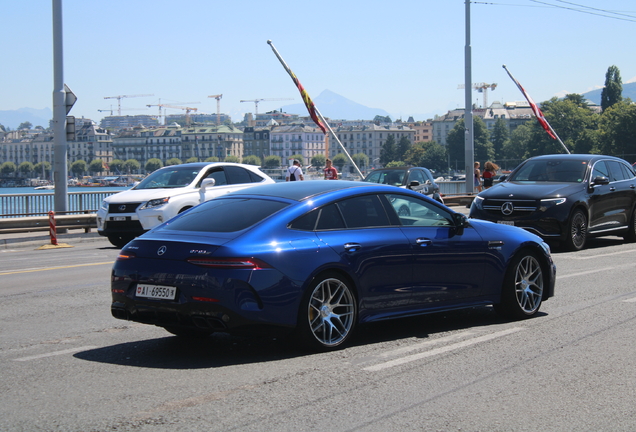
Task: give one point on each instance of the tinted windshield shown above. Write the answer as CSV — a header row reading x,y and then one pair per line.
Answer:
x,y
171,177
225,215
551,170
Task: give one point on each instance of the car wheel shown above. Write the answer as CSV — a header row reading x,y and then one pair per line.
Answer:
x,y
120,241
404,211
327,313
188,333
577,231
630,236
522,290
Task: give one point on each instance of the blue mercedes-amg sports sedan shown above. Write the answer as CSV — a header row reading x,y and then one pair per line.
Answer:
x,y
316,258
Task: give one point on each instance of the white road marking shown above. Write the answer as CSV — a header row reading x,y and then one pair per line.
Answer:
x,y
56,353
441,350
577,256
425,344
631,300
583,273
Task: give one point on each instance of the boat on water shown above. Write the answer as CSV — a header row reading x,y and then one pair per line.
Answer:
x,y
45,187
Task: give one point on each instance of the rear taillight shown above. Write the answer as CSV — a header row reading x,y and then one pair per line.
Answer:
x,y
125,255
229,263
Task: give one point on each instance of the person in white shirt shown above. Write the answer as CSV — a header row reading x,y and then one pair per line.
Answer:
x,y
294,172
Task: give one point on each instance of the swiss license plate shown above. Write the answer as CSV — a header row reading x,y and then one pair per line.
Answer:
x,y
119,218
506,222
156,292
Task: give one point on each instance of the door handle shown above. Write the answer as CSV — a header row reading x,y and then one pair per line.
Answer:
x,y
423,242
352,247
612,189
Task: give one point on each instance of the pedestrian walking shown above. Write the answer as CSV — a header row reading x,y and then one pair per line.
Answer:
x,y
294,172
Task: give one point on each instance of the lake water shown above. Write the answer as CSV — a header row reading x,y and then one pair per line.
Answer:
x,y
30,190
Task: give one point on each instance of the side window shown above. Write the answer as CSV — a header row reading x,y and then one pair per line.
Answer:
x,y
416,175
218,175
306,222
329,218
237,175
628,172
363,212
616,173
600,170
413,211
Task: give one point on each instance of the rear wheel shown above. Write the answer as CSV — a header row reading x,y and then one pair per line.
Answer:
x,y
327,313
577,231
120,240
522,291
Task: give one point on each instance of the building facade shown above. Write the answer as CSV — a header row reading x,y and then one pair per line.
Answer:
x,y
288,140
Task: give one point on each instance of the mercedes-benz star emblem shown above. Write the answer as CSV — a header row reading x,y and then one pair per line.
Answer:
x,y
122,207
161,250
507,208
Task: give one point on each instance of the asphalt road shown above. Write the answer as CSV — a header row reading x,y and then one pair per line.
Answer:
x,y
67,365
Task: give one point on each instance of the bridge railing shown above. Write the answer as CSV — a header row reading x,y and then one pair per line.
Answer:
x,y
39,204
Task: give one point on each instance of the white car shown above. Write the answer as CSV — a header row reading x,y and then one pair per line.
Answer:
x,y
169,191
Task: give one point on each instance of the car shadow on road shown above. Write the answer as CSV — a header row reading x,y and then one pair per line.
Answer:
x,y
590,244
221,349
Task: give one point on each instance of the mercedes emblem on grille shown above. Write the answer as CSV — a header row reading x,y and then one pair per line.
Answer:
x,y
507,208
122,207
161,250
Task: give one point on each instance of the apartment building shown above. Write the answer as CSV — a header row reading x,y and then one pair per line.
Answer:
x,y
301,139
203,142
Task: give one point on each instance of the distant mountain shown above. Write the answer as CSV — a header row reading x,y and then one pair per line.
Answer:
x,y
629,91
337,107
37,117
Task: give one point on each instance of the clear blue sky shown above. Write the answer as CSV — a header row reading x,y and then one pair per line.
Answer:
x,y
405,57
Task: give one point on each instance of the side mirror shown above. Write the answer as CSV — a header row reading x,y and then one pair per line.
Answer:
x,y
413,184
206,183
461,221
600,180
502,178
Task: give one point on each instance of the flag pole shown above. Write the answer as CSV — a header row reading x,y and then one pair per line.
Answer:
x,y
542,120
322,122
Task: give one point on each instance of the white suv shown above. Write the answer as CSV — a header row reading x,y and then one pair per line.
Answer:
x,y
167,192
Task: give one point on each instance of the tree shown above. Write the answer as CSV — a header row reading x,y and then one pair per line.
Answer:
x,y
318,160
116,165
428,154
515,149
395,164
78,168
499,136
233,159
153,164
616,128
43,167
402,147
272,161
96,166
173,161
131,165
252,160
388,152
613,90
192,160
381,119
25,125
25,168
8,168
340,160
361,160
455,141
212,159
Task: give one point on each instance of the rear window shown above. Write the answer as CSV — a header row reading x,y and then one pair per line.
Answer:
x,y
225,215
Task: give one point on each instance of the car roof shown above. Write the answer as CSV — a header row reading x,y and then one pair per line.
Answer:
x,y
200,165
587,157
302,190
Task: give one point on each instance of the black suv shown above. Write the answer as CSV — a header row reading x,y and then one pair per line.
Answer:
x,y
565,198
418,179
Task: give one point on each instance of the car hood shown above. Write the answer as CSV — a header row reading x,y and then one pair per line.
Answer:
x,y
144,195
527,190
494,231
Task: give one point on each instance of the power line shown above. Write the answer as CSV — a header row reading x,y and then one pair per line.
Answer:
x,y
585,9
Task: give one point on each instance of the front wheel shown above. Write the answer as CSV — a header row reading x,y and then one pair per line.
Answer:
x,y
522,290
327,313
630,235
577,231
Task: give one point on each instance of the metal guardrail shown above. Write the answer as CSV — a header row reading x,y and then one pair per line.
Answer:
x,y
41,223
39,204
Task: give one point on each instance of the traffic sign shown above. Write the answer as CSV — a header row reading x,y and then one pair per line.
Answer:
x,y
70,98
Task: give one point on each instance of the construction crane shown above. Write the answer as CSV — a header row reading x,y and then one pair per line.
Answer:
x,y
123,109
256,101
218,107
120,97
481,88
187,109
